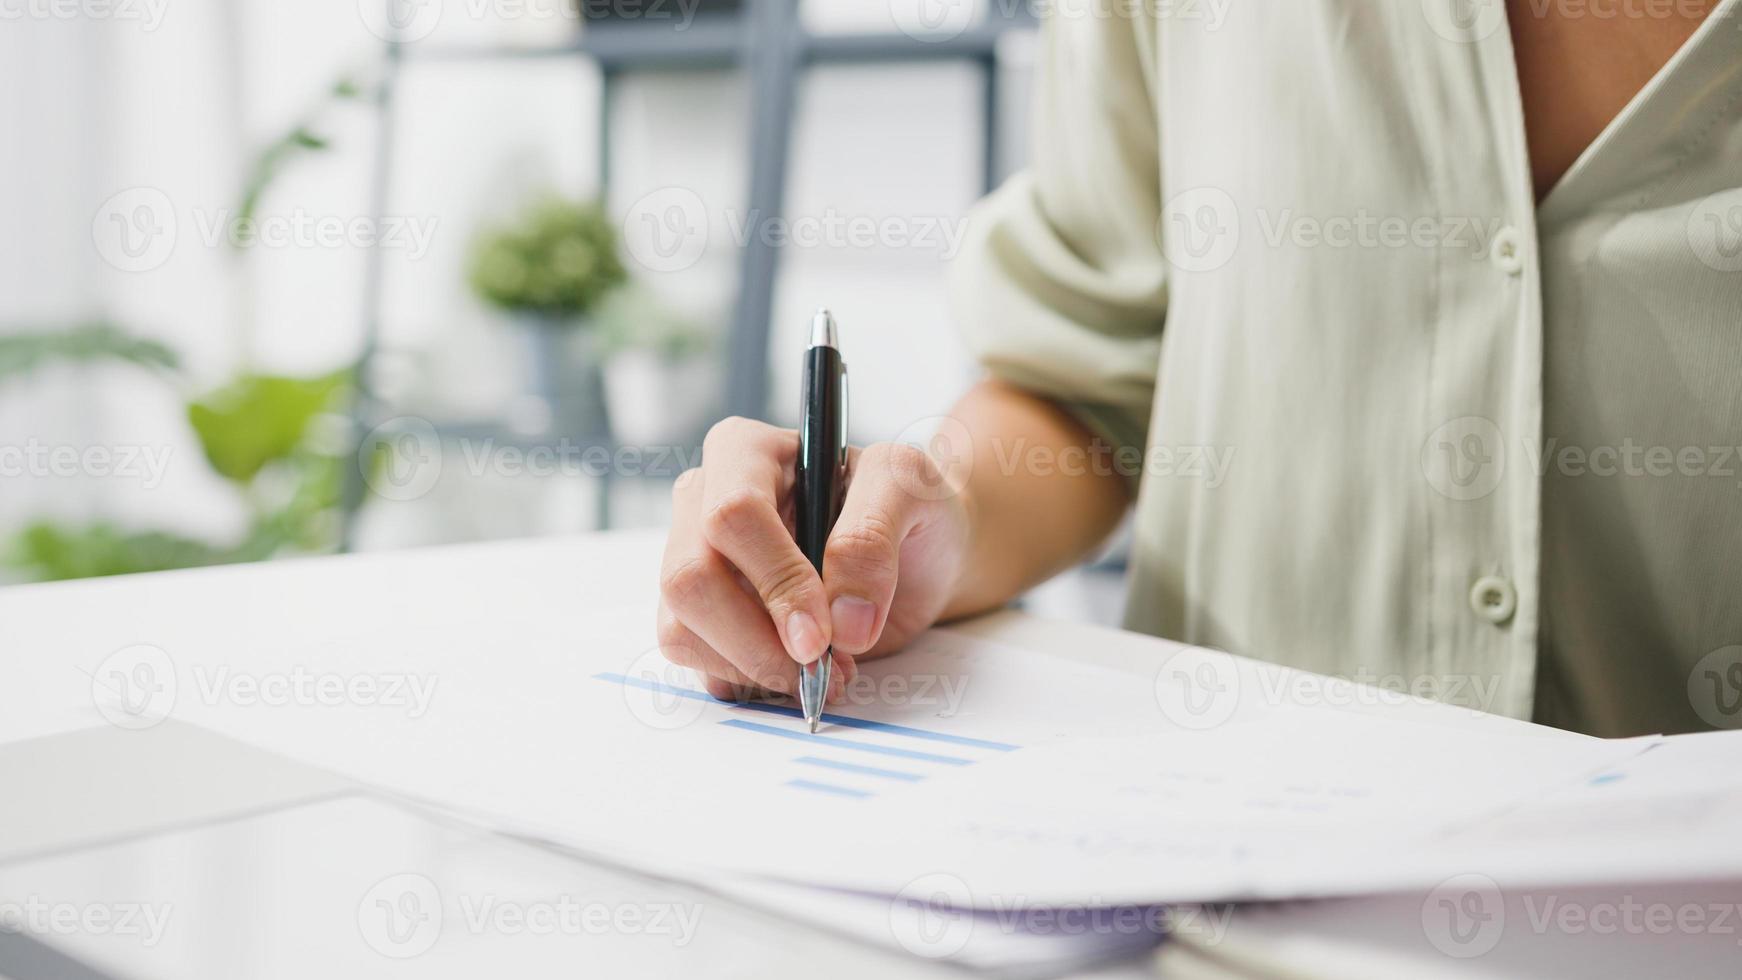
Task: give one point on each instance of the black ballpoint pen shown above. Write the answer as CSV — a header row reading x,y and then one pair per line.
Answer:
x,y
821,482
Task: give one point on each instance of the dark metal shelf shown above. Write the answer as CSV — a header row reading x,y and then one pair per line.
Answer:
x,y
717,44
765,38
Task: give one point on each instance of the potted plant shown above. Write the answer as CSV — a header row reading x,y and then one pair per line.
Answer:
x,y
551,268
662,382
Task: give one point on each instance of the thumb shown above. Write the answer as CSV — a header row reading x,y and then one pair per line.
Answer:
x,y
861,564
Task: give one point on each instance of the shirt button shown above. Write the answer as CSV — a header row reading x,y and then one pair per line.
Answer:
x,y
1494,599
1507,253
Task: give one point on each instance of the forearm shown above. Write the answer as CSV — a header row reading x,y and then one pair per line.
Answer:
x,y
1041,494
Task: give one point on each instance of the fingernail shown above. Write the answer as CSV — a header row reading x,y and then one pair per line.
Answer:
x,y
853,619
803,636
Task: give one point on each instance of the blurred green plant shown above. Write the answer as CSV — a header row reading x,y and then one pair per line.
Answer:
x,y
262,433
558,260
87,343
635,319
47,551
299,141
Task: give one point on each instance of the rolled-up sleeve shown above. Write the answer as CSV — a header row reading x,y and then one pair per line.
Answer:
x,y
1061,287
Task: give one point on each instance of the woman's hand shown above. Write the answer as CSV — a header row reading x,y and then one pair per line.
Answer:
x,y
742,605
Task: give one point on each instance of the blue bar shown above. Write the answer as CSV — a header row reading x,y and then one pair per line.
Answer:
x,y
841,743
906,777
790,712
883,726
643,683
857,794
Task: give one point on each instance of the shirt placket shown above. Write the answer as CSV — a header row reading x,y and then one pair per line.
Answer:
x,y
1484,399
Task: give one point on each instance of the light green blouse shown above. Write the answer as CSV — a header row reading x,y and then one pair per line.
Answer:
x,y
1403,424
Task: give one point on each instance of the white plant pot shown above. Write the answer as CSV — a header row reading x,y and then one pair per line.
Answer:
x,y
560,379
655,401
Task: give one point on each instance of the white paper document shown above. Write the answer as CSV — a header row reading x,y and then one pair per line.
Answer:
x,y
1297,804
1023,779
1672,813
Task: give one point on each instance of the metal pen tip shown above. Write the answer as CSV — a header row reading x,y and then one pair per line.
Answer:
x,y
823,332
813,691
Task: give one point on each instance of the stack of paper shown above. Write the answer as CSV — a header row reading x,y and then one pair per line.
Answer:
x,y
965,775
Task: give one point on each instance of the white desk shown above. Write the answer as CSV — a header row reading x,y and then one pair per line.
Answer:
x,y
479,604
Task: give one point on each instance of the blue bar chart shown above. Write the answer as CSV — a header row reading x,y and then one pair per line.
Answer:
x,y
850,758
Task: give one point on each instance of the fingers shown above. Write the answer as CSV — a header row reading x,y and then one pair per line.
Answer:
x,y
683,647
742,604
706,599
743,481
721,678
862,562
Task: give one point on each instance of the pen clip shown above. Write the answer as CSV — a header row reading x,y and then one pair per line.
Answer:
x,y
841,442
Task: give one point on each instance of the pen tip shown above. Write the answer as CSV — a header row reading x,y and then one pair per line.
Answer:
x,y
814,723
823,333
